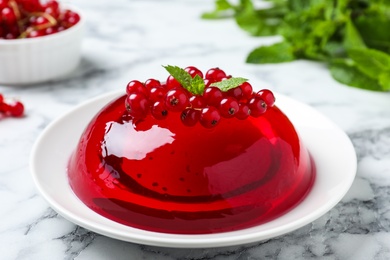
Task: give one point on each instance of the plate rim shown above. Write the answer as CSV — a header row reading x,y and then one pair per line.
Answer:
x,y
179,240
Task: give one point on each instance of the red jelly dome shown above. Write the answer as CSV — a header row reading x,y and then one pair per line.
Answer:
x,y
163,176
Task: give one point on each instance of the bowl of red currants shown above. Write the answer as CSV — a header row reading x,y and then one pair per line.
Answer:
x,y
39,41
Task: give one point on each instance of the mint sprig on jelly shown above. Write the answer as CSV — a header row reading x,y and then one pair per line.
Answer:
x,y
196,85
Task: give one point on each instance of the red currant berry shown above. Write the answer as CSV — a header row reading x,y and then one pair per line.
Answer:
x,y
197,101
55,13
2,32
267,96
156,93
150,83
50,30
41,21
215,74
4,108
228,107
243,111
71,18
209,117
52,8
137,105
52,3
190,116
235,92
60,28
208,82
136,86
3,4
193,71
213,96
8,16
159,110
247,90
172,83
1,98
257,106
30,5
10,36
176,99
16,109
35,33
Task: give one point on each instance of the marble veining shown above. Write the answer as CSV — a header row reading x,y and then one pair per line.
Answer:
x,y
131,39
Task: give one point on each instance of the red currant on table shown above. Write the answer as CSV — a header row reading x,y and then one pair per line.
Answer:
x,y
16,109
11,108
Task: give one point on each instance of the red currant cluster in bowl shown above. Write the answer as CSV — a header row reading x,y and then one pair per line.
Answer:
x,y
30,18
204,99
11,108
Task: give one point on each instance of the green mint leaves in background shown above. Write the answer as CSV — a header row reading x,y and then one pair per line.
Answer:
x,y
351,36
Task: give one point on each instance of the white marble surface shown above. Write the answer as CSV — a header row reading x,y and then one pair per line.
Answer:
x,y
131,40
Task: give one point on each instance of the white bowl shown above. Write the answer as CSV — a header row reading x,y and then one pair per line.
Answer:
x,y
35,60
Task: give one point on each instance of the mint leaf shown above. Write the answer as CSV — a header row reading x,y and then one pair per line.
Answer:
x,y
321,30
299,5
221,10
227,84
182,76
279,52
384,80
352,38
222,5
254,23
369,61
374,29
194,85
350,75
197,85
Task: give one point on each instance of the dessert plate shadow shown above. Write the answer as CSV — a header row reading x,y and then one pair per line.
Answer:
x,y
330,147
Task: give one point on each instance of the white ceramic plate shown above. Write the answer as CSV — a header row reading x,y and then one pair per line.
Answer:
x,y
330,147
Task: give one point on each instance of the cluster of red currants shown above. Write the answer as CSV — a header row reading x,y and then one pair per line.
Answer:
x,y
30,18
159,99
12,108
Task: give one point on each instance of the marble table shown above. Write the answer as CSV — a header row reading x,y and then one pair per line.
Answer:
x,y
131,40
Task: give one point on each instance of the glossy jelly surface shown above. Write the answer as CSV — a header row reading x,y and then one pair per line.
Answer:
x,y
162,176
